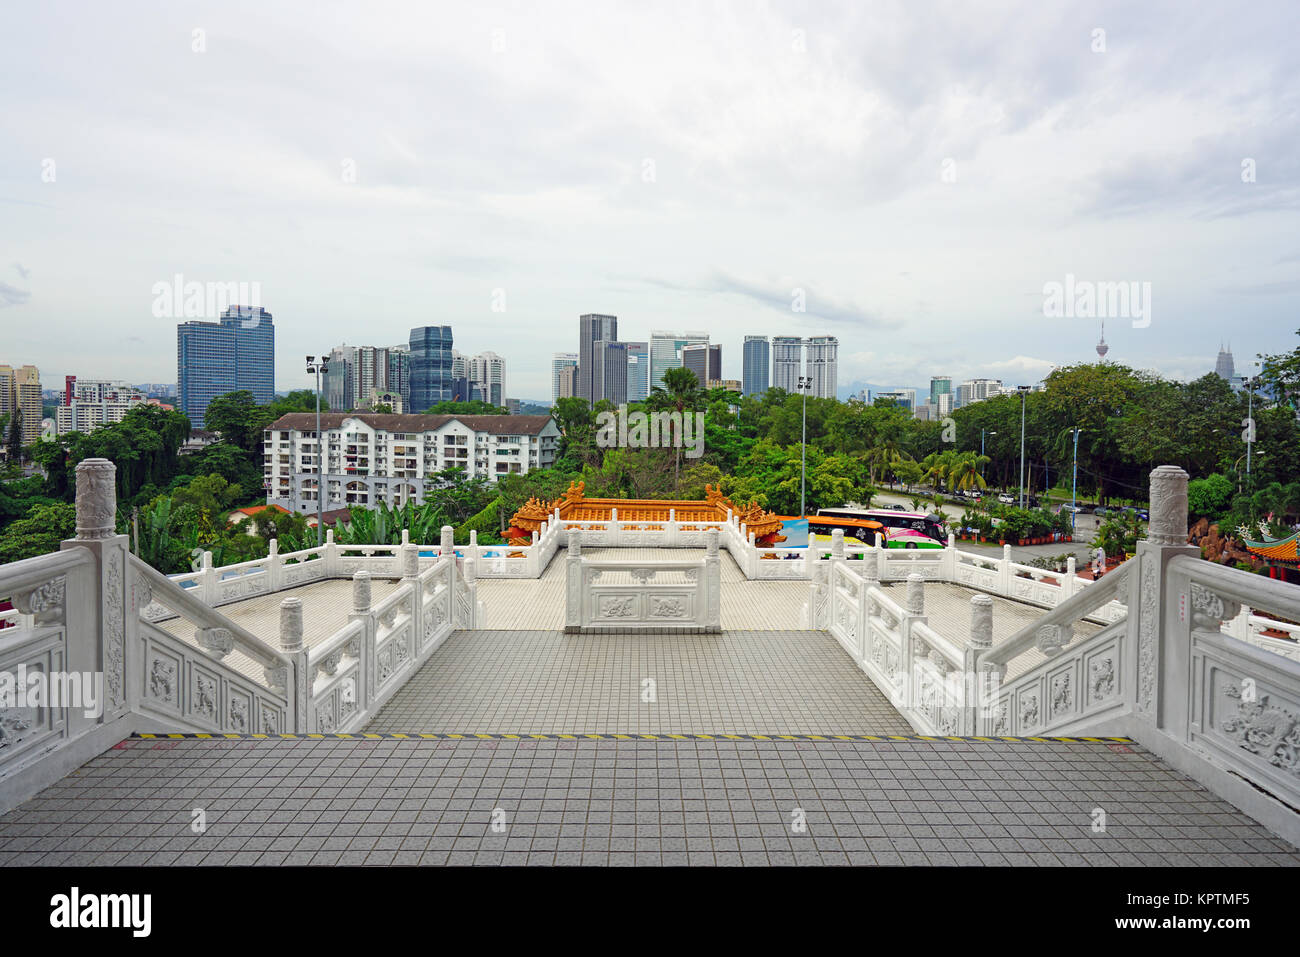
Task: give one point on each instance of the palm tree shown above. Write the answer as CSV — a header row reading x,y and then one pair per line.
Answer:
x,y
680,393
967,472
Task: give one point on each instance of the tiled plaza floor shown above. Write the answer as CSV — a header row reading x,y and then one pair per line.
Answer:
x,y
536,682
558,802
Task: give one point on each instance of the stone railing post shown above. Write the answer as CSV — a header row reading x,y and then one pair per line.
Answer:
x,y
1004,571
330,555
976,684
881,557
574,593
469,575
712,581
365,649
948,566
471,550
102,620
293,646
209,580
447,549
273,565
913,613
671,529
1071,583
1160,650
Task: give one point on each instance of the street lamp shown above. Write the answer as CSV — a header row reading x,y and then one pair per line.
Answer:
x,y
805,386
1024,392
1251,384
982,434
1074,482
319,368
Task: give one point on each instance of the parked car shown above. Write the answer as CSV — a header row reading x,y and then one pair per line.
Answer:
x,y
1141,513
1006,498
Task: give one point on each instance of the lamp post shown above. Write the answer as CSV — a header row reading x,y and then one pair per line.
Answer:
x,y
1074,482
805,386
982,433
1024,393
319,368
1251,384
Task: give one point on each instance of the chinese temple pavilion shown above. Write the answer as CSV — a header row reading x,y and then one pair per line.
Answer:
x,y
1282,557
574,506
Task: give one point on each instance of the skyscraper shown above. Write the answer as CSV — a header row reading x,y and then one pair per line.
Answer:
x,y
715,362
213,358
666,352
487,370
787,362
823,357
561,361
20,396
757,365
939,385
430,366
1224,366
609,366
695,357
638,371
592,328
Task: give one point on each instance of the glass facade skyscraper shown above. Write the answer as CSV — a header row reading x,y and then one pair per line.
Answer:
x,y
756,365
213,358
666,352
430,366
638,371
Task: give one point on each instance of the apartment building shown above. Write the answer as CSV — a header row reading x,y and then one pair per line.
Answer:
x,y
89,404
374,457
20,394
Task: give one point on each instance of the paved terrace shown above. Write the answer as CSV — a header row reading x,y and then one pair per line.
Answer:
x,y
609,802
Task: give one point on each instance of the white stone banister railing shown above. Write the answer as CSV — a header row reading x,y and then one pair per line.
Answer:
x,y
1054,630
183,603
646,602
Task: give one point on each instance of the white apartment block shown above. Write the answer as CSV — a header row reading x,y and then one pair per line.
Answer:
x,y
96,403
370,458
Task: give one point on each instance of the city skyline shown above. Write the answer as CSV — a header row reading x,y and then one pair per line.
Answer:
x,y
1058,176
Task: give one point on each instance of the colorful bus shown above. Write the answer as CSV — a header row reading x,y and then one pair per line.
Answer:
x,y
901,529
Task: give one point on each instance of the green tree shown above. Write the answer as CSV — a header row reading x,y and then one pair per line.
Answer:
x,y
38,532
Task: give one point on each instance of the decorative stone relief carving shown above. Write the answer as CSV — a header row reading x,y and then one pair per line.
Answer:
x,y
1053,638
215,642
205,697
617,606
1101,679
45,603
1210,610
1028,709
277,677
270,720
662,607
114,630
13,723
330,663
1147,635
238,714
1266,730
162,680
1062,694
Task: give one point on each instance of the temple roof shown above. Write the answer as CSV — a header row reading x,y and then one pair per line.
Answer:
x,y
1282,550
574,506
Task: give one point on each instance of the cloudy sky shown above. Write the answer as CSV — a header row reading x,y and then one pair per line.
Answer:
x,y
918,170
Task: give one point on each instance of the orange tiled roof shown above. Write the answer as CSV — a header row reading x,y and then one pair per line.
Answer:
x,y
1283,550
574,506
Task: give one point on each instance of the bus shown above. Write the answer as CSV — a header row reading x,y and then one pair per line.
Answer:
x,y
901,529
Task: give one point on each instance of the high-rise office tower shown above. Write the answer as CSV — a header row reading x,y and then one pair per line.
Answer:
x,y
715,362
567,384
487,370
213,358
939,385
20,395
339,384
592,328
756,356
638,371
399,373
666,352
609,366
822,360
430,366
696,358
787,362
560,361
